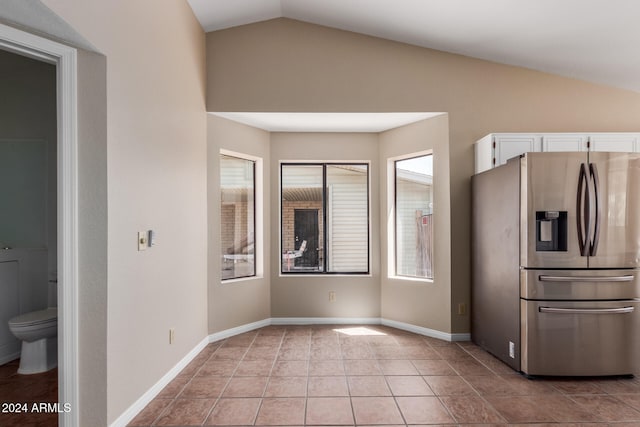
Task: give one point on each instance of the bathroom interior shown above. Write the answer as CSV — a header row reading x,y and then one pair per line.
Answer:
x,y
28,230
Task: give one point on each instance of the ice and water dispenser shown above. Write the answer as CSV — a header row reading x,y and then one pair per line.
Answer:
x,y
551,230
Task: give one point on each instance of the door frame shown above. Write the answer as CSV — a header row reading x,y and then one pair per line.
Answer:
x,y
65,59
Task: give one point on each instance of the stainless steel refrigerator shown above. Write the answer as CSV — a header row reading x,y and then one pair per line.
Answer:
x,y
555,263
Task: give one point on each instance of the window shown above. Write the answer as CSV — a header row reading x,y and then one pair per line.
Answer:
x,y
413,217
237,217
325,218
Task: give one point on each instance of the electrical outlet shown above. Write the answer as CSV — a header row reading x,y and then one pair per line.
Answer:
x,y
142,240
512,350
462,309
332,296
172,335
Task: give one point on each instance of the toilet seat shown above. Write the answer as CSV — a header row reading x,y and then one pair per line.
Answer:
x,y
35,318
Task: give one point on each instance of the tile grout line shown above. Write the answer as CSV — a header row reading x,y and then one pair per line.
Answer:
x,y
395,400
173,400
306,397
255,416
217,400
477,392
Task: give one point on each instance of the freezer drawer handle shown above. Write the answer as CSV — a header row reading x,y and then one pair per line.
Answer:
x,y
621,310
627,278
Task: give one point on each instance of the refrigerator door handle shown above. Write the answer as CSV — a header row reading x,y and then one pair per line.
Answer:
x,y
621,310
593,175
626,278
583,211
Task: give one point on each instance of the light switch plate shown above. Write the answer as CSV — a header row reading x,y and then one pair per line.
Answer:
x,y
142,240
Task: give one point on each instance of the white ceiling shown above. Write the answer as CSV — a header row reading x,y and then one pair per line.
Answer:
x,y
592,40
326,122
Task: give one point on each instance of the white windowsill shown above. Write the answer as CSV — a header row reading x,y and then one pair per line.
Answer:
x,y
241,279
410,279
327,275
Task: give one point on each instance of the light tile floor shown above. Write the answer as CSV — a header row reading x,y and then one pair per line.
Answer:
x,y
375,375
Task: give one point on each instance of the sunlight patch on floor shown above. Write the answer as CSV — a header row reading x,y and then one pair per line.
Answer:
x,y
359,331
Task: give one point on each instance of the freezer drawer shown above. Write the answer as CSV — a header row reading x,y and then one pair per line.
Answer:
x,y
580,284
583,338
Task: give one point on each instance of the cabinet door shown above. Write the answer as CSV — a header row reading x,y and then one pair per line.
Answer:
x,y
484,153
564,142
622,142
509,146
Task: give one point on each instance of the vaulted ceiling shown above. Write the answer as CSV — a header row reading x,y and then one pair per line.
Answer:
x,y
592,40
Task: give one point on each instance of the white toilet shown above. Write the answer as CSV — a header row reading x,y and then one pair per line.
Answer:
x,y
38,331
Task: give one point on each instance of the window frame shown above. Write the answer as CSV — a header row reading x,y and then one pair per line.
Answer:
x,y
393,207
325,228
257,208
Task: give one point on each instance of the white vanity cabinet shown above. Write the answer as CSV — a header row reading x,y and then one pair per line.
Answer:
x,y
496,148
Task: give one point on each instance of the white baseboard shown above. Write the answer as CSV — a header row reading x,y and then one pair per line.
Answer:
x,y
9,357
433,333
147,397
217,336
325,320
370,321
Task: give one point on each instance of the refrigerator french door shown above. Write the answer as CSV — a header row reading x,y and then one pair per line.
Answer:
x,y
573,219
587,204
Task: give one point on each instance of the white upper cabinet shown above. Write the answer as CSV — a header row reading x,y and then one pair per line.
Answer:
x,y
565,142
496,148
624,142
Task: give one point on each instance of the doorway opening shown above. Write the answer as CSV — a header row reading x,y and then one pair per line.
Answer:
x,y
64,58
28,226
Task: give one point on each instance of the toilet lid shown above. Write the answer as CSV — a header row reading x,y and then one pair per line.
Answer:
x,y
35,317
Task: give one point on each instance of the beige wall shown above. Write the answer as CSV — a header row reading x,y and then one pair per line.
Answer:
x,y
285,65
156,173
92,238
308,295
236,303
420,303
